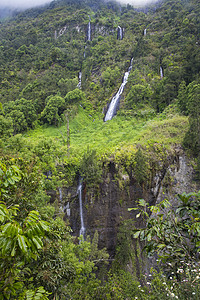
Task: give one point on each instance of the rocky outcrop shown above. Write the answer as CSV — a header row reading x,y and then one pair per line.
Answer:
x,y
106,209
178,179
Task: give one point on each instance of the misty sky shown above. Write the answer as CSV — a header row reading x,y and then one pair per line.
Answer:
x,y
32,3
137,2
23,3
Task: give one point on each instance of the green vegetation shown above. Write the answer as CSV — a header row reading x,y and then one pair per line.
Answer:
x,y
174,242
90,131
52,132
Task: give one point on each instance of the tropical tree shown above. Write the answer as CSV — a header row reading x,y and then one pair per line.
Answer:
x,y
6,126
172,234
20,242
138,95
75,96
53,110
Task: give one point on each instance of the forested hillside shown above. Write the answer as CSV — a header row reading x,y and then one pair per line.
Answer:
x,y
60,66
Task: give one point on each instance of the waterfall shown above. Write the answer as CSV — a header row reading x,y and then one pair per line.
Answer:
x,y
62,31
145,32
79,78
119,33
79,191
115,100
60,194
89,30
161,72
68,209
61,200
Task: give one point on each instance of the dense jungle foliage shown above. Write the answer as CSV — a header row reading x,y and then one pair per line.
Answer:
x,y
56,85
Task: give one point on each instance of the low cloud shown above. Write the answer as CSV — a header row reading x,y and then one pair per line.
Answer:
x,y
138,3
22,3
33,3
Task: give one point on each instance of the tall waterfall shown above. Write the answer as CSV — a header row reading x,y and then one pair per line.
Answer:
x,y
61,200
60,194
80,186
145,32
67,208
161,72
119,33
79,80
115,100
89,30
62,31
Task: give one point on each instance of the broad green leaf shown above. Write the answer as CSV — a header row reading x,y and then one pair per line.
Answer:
x,y
136,235
133,208
138,215
7,228
44,225
22,243
38,242
161,246
13,249
6,245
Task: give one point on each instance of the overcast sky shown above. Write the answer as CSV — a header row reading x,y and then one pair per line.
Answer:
x,y
23,3
137,2
32,3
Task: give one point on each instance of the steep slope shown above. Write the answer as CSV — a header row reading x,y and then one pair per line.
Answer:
x,y
60,66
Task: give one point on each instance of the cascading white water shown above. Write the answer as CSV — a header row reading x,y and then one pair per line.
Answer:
x,y
61,200
119,33
115,100
68,209
161,72
62,31
79,78
145,32
60,194
89,30
82,230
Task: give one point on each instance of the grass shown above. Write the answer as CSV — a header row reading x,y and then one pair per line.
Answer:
x,y
107,137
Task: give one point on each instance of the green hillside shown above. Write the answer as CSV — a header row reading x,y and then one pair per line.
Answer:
x,y
60,66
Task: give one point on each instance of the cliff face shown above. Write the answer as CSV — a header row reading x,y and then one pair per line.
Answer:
x,y
178,179
107,209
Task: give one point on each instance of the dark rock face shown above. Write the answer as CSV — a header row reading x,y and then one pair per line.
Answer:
x,y
178,179
105,210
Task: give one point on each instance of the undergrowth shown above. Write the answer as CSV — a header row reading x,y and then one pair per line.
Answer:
x,y
111,136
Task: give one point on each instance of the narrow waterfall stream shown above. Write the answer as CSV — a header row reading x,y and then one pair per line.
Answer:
x,y
60,194
67,209
89,30
161,72
79,191
145,32
79,80
119,33
61,200
115,100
